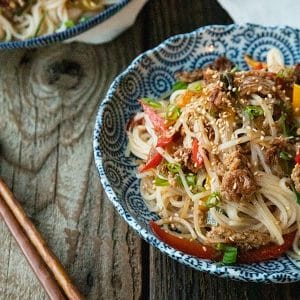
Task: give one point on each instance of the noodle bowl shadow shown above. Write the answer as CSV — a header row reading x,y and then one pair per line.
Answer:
x,y
152,74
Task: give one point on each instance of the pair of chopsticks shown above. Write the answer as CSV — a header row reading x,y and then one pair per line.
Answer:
x,y
42,260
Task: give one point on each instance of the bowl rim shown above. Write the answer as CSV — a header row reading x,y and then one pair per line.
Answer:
x,y
79,28
148,236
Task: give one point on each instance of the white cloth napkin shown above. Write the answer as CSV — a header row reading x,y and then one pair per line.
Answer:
x,y
264,12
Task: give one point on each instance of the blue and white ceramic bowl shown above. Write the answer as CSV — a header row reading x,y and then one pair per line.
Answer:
x,y
101,28
151,75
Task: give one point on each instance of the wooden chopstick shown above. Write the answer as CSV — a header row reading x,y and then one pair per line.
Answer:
x,y
34,259
39,243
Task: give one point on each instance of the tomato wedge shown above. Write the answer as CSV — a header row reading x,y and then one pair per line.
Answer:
x,y
186,246
194,248
196,156
266,252
154,160
157,121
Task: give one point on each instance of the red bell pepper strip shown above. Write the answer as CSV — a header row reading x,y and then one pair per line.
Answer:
x,y
164,141
184,245
157,121
266,252
194,248
297,158
154,160
196,156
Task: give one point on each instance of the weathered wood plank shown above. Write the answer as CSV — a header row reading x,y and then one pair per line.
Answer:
x,y
48,101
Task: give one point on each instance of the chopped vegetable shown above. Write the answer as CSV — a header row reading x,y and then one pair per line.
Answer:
x,y
195,86
230,255
297,158
173,167
266,252
154,160
213,200
84,19
151,102
161,181
191,179
40,24
296,100
254,64
164,140
179,85
281,122
253,111
186,246
69,24
297,194
196,156
173,112
284,155
185,99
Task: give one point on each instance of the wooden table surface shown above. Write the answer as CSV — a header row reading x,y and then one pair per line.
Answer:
x,y
48,102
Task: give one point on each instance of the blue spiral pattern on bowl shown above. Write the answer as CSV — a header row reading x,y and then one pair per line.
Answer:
x,y
152,74
56,37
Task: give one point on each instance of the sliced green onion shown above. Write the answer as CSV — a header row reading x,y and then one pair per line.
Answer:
x,y
285,72
213,200
173,167
69,24
253,111
284,155
179,85
195,86
173,112
40,24
191,179
178,180
161,181
151,102
230,255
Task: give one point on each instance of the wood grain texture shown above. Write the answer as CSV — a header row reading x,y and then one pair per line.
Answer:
x,y
48,102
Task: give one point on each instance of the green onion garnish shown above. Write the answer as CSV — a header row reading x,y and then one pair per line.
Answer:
x,y
195,86
230,254
151,102
213,200
191,179
253,111
179,85
83,19
284,155
40,24
161,181
69,24
173,112
173,167
220,246
281,122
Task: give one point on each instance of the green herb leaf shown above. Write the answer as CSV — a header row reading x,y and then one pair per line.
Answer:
x,y
281,122
230,255
213,200
284,155
151,102
191,179
173,112
173,167
253,111
179,85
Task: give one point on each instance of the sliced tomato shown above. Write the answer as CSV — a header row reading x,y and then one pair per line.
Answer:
x,y
186,246
196,156
297,158
157,121
154,160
